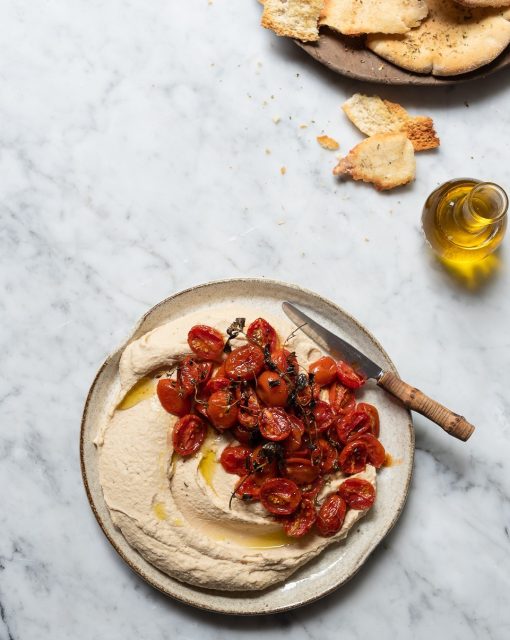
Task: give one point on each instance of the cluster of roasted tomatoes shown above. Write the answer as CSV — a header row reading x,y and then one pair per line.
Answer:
x,y
290,437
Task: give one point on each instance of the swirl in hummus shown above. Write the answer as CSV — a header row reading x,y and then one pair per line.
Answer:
x,y
177,512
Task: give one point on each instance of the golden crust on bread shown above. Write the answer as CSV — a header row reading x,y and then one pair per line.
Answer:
x,y
293,18
353,17
385,159
452,40
373,115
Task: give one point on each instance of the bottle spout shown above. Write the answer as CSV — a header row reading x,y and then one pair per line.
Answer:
x,y
487,203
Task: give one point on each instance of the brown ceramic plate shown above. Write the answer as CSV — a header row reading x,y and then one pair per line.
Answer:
x,y
338,563
349,57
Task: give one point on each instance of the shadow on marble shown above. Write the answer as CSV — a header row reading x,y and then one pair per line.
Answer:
x,y
457,461
427,96
475,278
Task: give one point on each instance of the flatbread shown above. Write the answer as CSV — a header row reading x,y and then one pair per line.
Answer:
x,y
293,18
352,17
386,159
373,115
452,40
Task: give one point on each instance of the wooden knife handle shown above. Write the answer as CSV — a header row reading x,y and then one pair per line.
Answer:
x,y
414,399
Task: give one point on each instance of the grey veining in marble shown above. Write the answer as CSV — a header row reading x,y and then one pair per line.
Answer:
x,y
139,155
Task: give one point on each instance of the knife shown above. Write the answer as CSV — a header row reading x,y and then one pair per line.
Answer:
x,y
412,398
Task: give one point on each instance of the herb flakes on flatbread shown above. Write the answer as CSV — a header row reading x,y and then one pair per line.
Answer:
x,y
453,39
385,159
354,17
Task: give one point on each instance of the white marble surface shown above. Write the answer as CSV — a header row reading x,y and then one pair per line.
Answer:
x,y
133,164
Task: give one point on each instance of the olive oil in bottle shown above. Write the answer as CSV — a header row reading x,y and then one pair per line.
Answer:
x,y
465,220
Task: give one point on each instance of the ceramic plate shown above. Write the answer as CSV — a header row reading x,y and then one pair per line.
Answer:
x,y
349,57
337,564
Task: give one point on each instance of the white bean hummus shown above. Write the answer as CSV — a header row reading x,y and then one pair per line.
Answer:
x,y
175,511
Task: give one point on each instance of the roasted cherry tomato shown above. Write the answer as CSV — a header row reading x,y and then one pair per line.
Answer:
x,y
348,377
272,389
222,410
324,416
353,457
331,515
359,494
352,425
248,489
262,334
275,424
373,414
205,342
247,435
325,456
308,392
244,363
332,437
341,399
375,451
200,405
188,435
235,460
249,408
293,442
313,489
323,370
300,470
301,521
285,362
173,398
280,496
215,384
192,373
263,461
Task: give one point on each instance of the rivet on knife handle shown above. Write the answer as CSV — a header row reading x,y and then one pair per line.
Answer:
x,y
414,399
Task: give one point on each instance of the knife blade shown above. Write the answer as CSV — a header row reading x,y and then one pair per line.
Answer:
x,y
412,398
333,344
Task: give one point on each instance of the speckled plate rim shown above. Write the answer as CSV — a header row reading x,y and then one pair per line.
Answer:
x,y
337,52
202,597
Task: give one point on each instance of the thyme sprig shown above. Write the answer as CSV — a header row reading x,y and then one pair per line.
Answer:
x,y
233,331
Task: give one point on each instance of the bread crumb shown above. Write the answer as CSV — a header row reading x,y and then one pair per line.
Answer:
x,y
283,170
328,143
276,119
303,126
268,152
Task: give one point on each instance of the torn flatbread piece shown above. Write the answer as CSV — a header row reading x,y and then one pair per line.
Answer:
x,y
373,115
353,17
293,18
385,159
452,40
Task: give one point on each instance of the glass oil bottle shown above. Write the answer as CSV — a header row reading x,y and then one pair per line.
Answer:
x,y
465,220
